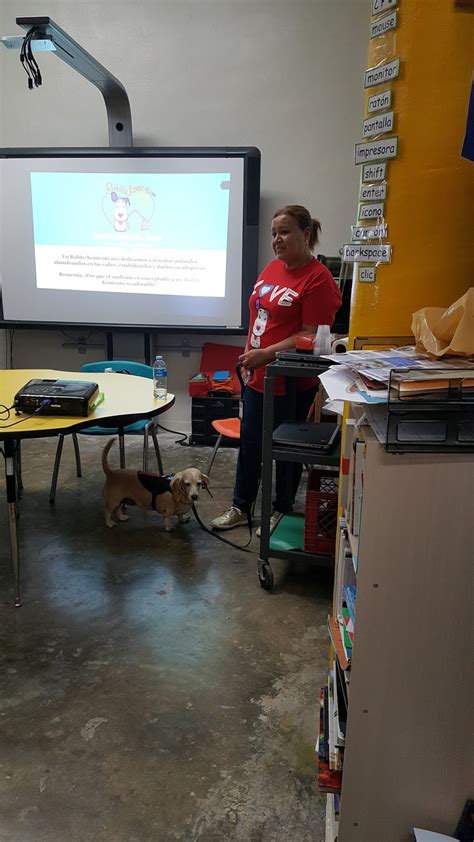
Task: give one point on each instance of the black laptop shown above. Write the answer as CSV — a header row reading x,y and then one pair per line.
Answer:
x,y
307,434
294,356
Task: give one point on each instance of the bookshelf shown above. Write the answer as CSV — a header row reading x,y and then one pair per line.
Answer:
x,y
407,754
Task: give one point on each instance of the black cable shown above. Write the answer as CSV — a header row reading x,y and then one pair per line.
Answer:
x,y
180,441
6,409
28,60
24,63
26,417
80,339
34,66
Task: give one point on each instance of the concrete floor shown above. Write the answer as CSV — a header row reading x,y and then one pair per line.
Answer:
x,y
151,689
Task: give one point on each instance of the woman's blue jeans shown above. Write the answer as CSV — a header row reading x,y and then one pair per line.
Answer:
x,y
249,461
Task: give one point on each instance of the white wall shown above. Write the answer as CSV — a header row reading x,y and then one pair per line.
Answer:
x,y
283,75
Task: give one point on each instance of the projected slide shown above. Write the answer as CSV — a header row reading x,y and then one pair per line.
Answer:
x,y
150,233
139,237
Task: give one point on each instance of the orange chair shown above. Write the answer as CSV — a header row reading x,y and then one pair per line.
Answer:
x,y
225,427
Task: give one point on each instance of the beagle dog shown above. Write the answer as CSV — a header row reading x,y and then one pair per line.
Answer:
x,y
172,495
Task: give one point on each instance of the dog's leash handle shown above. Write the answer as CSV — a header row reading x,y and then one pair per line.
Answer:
x,y
243,383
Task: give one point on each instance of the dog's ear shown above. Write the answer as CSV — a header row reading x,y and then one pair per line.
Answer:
x,y
178,489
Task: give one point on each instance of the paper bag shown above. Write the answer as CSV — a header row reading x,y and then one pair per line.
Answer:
x,y
439,332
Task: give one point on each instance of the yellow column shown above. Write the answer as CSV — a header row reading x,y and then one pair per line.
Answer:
x,y
429,209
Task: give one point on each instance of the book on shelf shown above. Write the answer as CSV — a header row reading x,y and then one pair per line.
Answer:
x,y
335,757
345,573
348,622
350,596
326,724
328,780
339,713
342,686
349,428
345,637
332,816
358,486
336,640
342,700
323,744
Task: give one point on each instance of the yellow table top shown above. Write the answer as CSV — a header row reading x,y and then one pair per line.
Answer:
x,y
125,396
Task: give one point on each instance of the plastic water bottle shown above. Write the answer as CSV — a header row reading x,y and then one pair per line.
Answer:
x,y
160,378
322,341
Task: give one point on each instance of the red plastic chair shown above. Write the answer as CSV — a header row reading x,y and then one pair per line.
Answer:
x,y
225,427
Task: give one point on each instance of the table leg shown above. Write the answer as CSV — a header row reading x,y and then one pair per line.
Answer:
x,y
10,478
18,469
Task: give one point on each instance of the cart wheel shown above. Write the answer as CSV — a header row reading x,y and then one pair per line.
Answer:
x,y
265,577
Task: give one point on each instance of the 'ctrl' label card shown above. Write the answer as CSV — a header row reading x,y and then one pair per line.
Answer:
x,y
366,274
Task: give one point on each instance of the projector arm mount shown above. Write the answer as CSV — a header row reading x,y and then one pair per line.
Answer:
x,y
119,116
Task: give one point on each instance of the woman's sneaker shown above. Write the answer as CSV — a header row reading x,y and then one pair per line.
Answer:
x,y
274,521
230,519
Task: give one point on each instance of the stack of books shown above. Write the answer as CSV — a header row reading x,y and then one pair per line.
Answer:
x,y
329,779
334,697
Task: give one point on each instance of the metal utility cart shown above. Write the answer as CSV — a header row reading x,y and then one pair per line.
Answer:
x,y
271,451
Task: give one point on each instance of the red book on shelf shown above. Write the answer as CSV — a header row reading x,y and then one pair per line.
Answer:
x,y
336,639
328,781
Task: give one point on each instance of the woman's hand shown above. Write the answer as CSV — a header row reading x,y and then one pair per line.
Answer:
x,y
255,358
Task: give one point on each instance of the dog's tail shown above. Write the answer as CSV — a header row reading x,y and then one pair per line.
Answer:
x,y
105,465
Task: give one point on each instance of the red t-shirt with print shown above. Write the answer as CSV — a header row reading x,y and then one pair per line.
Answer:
x,y
283,300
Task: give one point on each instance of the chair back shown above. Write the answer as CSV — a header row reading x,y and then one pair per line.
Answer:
x,y
121,366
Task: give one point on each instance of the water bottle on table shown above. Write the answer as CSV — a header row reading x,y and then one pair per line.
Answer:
x,y
160,378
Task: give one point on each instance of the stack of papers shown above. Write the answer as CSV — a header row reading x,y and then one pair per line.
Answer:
x,y
362,377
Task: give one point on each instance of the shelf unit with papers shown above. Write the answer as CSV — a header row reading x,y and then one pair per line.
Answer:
x,y
271,451
406,755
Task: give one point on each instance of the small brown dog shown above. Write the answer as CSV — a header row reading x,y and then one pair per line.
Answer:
x,y
166,495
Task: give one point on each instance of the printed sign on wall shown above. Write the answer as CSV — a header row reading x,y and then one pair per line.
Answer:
x,y
366,274
369,232
383,6
377,102
367,253
383,25
373,172
371,210
378,125
371,192
376,150
383,73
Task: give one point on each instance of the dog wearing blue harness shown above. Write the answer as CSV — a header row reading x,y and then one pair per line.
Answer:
x,y
169,496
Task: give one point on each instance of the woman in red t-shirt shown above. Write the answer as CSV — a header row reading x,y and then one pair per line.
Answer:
x,y
292,296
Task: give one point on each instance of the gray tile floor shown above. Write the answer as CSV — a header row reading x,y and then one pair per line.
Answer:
x,y
151,690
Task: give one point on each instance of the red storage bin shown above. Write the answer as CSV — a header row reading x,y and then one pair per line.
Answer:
x,y
320,522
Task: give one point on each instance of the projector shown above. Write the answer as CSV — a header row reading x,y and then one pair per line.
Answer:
x,y
57,397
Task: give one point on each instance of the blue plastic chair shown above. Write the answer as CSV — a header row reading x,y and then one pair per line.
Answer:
x,y
146,427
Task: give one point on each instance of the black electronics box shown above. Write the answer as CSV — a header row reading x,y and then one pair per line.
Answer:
x,y
57,397
207,409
